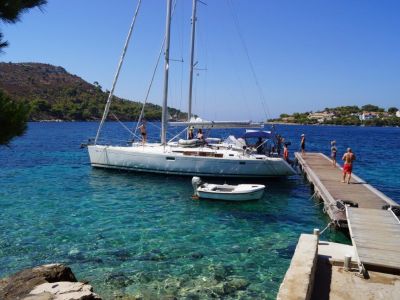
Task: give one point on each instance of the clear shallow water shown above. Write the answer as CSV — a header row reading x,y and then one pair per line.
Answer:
x,y
126,232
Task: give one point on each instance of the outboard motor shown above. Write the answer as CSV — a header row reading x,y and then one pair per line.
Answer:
x,y
196,182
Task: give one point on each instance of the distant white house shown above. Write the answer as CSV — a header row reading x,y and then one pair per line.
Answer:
x,y
398,113
321,116
367,115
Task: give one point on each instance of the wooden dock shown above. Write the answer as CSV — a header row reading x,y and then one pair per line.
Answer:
x,y
369,215
375,233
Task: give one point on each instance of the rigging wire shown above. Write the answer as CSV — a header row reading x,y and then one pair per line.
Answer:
x,y
236,22
124,126
110,96
185,129
153,76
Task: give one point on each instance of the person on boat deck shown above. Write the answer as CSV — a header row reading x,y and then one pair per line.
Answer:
x,y
143,131
348,158
190,133
272,152
259,146
200,135
285,152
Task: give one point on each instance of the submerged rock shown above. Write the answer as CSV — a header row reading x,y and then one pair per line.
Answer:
x,y
235,284
153,255
197,255
122,254
21,284
220,272
119,280
200,287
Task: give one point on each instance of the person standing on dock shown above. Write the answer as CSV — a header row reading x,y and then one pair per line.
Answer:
x,y
333,153
303,143
348,159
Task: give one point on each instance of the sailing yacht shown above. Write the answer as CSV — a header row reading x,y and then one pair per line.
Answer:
x,y
231,158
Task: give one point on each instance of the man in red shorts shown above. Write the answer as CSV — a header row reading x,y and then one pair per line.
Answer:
x,y
348,159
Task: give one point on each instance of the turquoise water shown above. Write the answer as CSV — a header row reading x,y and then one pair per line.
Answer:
x,y
130,233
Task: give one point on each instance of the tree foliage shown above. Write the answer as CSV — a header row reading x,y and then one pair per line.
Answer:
x,y
13,115
11,11
370,107
348,115
13,118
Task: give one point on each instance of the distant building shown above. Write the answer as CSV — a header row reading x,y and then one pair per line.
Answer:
x,y
368,115
321,116
385,114
398,113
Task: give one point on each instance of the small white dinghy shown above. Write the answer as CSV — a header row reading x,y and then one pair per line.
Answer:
x,y
227,192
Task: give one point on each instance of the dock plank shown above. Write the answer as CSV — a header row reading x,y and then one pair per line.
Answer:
x,y
377,243
358,192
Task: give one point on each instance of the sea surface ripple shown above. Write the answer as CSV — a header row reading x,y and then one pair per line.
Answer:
x,y
127,231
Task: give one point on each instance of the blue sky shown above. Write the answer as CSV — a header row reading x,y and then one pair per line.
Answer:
x,y
307,55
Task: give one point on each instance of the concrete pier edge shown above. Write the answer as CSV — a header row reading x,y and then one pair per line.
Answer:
x,y
299,279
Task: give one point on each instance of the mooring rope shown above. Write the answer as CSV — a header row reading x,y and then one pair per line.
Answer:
x,y
313,195
318,204
329,225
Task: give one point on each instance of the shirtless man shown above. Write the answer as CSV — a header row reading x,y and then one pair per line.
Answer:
x,y
143,132
348,159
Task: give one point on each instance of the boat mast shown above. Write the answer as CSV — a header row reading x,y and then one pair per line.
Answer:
x,y
166,69
194,19
121,60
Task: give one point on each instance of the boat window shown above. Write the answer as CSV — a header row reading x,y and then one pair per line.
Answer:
x,y
242,162
170,158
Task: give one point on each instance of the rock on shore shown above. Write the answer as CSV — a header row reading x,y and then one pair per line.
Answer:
x,y
47,282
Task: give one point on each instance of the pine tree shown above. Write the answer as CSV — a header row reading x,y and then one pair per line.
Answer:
x,y
13,118
13,115
11,11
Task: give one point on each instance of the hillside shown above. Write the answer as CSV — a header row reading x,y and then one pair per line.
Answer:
x,y
367,115
55,94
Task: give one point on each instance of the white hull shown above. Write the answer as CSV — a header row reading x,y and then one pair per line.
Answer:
x,y
248,193
201,161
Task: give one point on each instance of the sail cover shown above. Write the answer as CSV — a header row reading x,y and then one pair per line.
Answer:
x,y
257,134
200,123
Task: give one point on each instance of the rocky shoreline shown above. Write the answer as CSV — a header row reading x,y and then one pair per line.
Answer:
x,y
47,282
57,282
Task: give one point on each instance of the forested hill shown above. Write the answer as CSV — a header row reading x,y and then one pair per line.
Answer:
x,y
55,94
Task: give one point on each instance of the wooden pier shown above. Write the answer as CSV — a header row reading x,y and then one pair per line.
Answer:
x,y
369,215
